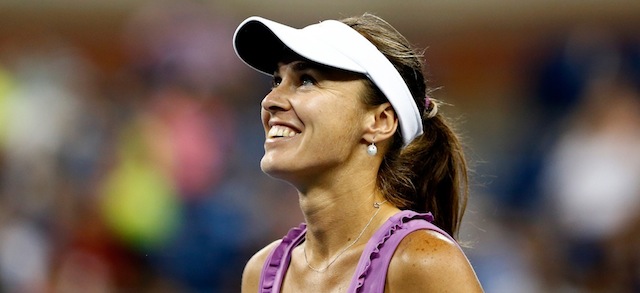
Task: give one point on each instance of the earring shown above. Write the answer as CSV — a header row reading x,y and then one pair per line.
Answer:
x,y
372,149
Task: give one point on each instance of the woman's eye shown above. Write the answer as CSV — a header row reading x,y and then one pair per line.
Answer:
x,y
275,82
307,80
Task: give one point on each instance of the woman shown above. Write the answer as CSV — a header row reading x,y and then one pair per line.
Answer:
x,y
349,124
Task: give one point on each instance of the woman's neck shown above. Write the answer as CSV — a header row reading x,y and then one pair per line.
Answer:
x,y
336,217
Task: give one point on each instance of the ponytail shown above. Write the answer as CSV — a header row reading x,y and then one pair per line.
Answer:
x,y
439,171
430,174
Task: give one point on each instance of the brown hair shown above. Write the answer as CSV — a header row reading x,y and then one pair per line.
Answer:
x,y
430,174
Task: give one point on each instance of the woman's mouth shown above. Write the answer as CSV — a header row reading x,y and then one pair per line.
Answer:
x,y
278,131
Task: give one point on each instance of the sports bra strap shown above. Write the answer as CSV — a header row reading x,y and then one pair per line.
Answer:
x,y
277,263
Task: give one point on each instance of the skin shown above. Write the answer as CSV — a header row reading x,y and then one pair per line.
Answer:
x,y
327,162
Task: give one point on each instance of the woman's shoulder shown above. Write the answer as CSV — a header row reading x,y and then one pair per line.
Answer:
x,y
253,268
426,260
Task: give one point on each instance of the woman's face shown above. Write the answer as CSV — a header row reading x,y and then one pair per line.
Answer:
x,y
313,120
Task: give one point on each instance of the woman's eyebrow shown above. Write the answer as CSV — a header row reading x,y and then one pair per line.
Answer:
x,y
299,66
302,66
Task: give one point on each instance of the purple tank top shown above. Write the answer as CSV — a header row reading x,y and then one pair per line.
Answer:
x,y
371,274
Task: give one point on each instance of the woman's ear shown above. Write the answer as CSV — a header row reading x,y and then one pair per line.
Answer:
x,y
383,125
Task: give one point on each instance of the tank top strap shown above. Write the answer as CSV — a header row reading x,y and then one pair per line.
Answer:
x,y
371,273
277,263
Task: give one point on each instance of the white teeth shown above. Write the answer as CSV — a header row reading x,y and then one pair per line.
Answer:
x,y
272,132
281,131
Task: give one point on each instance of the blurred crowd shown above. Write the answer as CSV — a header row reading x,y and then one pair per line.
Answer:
x,y
147,179
562,212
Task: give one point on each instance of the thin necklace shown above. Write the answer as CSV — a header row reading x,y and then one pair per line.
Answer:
x,y
322,270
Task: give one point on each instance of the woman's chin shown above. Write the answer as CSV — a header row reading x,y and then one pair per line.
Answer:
x,y
273,169
282,172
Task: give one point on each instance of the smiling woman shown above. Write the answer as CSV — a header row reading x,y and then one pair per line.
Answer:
x,y
315,104
380,175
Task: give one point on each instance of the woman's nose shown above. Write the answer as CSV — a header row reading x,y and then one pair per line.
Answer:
x,y
276,100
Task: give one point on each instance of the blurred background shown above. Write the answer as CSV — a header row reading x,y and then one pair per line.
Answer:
x,y
130,140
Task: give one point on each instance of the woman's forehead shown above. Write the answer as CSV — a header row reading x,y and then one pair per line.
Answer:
x,y
300,64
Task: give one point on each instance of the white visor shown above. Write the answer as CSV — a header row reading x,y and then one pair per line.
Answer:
x,y
260,43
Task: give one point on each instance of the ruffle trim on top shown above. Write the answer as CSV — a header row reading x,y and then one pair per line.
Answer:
x,y
394,224
273,264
